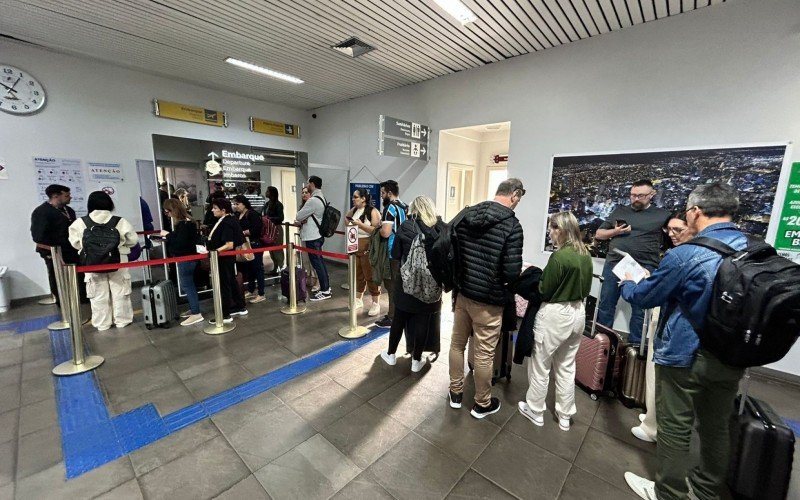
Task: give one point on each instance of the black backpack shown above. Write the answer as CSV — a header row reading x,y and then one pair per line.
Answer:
x,y
330,219
444,255
100,243
754,315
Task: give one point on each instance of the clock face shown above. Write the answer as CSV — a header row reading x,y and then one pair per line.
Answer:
x,y
20,93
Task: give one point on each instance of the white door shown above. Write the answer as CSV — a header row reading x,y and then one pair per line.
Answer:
x,y
459,188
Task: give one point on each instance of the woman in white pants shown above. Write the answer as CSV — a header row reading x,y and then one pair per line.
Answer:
x,y
559,323
109,293
678,232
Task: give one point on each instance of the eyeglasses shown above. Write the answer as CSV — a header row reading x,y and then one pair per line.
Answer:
x,y
520,192
641,196
674,230
686,212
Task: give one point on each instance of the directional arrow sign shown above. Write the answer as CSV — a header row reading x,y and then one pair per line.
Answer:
x,y
213,155
404,129
403,149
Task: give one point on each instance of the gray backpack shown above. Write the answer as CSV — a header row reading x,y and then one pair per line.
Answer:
x,y
417,278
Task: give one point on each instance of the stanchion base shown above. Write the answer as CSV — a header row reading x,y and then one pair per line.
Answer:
x,y
68,368
353,333
48,301
296,310
58,325
219,330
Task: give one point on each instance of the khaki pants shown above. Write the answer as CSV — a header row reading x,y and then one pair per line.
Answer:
x,y
364,272
110,297
557,335
484,321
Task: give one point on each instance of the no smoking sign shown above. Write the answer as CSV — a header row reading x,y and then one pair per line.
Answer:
x,y
352,239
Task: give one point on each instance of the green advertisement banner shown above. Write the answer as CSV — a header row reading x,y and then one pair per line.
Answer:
x,y
788,237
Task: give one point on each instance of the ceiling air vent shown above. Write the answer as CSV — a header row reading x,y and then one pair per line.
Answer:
x,y
353,47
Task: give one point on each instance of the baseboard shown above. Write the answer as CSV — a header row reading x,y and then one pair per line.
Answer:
x,y
776,375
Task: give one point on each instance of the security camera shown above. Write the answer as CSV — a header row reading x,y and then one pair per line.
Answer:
x,y
314,116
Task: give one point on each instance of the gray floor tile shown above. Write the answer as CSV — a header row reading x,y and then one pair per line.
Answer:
x,y
268,436
166,399
51,483
416,469
266,362
206,471
363,487
473,486
10,340
173,446
37,368
609,458
129,490
37,389
9,397
38,451
199,363
314,469
365,434
37,416
35,352
299,386
371,379
408,402
325,404
231,419
248,488
7,462
116,342
134,384
519,468
217,380
303,345
244,347
174,346
550,436
344,364
130,362
8,425
614,419
581,484
10,374
10,357
457,433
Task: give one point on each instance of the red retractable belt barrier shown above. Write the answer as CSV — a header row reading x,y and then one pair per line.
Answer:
x,y
145,233
228,253
335,255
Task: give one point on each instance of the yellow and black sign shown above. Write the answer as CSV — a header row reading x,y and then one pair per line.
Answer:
x,y
274,128
194,114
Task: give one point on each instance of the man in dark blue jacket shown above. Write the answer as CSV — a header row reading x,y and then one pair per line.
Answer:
x,y
691,383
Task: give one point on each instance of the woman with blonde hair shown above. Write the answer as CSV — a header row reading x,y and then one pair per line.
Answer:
x,y
419,318
559,324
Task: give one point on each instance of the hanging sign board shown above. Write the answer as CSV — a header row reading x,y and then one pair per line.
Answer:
x,y
404,129
274,128
402,138
788,236
404,149
373,188
187,113
352,239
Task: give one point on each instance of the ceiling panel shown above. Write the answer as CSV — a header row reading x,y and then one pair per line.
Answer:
x,y
414,40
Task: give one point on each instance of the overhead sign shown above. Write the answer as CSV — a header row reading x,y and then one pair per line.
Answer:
x,y
187,113
404,149
788,237
352,239
403,138
404,129
274,128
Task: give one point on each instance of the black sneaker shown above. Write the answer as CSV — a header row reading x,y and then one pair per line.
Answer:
x,y
241,312
479,411
455,399
384,322
321,296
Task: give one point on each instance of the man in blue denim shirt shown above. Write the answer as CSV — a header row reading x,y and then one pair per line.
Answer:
x,y
691,383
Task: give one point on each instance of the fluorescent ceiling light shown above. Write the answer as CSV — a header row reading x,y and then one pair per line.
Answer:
x,y
263,71
457,9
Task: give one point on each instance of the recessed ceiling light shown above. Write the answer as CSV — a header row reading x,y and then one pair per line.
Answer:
x,y
264,71
458,10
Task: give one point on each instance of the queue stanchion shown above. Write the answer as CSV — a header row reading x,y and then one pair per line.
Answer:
x,y
353,330
292,308
148,274
63,292
79,362
219,327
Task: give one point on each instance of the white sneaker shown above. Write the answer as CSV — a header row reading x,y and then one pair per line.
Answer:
x,y
642,416
359,304
390,359
642,434
537,417
374,309
192,319
417,365
248,295
563,423
643,487
186,314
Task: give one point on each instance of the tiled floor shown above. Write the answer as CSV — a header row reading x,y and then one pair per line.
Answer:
x,y
354,428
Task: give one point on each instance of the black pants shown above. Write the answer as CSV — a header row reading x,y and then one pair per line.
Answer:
x,y
419,328
51,276
230,291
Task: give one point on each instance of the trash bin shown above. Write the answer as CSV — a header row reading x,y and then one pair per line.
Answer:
x,y
5,296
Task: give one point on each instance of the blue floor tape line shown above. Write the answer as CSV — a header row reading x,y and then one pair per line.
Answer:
x,y
29,325
91,437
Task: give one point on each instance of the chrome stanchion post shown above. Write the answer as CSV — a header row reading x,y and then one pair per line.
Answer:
x,y
352,330
148,274
79,363
63,293
218,327
292,308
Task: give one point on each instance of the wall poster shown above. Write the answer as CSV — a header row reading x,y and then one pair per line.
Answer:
x,y
373,188
787,239
64,171
591,185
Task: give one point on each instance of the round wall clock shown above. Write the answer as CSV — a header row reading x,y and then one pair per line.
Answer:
x,y
20,93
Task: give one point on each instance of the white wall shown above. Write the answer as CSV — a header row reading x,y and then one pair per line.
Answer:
x,y
722,75
100,112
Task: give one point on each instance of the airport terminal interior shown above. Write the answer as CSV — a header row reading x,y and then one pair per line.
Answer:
x,y
194,104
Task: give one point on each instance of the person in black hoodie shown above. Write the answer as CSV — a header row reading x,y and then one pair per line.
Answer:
x,y
251,225
419,319
227,235
489,239
274,210
182,241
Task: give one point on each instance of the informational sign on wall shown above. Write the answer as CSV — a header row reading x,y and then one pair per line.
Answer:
x,y
373,188
402,138
105,172
188,113
66,172
274,128
788,236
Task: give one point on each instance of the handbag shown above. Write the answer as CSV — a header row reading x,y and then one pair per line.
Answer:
x,y
247,257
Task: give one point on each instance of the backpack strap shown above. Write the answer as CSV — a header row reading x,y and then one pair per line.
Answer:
x,y
88,222
324,206
712,244
113,221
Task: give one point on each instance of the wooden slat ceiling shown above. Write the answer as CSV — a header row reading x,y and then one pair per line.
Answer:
x,y
414,39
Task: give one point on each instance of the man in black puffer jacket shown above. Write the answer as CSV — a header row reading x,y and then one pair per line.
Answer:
x,y
489,239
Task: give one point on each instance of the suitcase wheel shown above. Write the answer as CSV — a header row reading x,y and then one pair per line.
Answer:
x,y
149,327
593,396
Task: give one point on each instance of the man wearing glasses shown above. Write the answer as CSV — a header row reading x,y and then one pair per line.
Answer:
x,y
635,229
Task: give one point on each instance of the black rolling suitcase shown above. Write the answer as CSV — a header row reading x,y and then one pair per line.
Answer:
x,y
762,448
503,356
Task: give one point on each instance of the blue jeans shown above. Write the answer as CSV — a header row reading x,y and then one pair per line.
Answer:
x,y
255,274
318,264
186,275
609,296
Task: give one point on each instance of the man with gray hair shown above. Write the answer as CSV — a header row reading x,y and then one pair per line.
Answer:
x,y
489,252
691,383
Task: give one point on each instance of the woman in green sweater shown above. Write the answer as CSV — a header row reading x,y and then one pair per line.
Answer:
x,y
559,323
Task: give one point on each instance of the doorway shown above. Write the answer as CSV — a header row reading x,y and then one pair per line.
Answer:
x,y
460,186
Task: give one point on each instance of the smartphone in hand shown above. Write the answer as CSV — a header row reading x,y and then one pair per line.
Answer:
x,y
621,222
